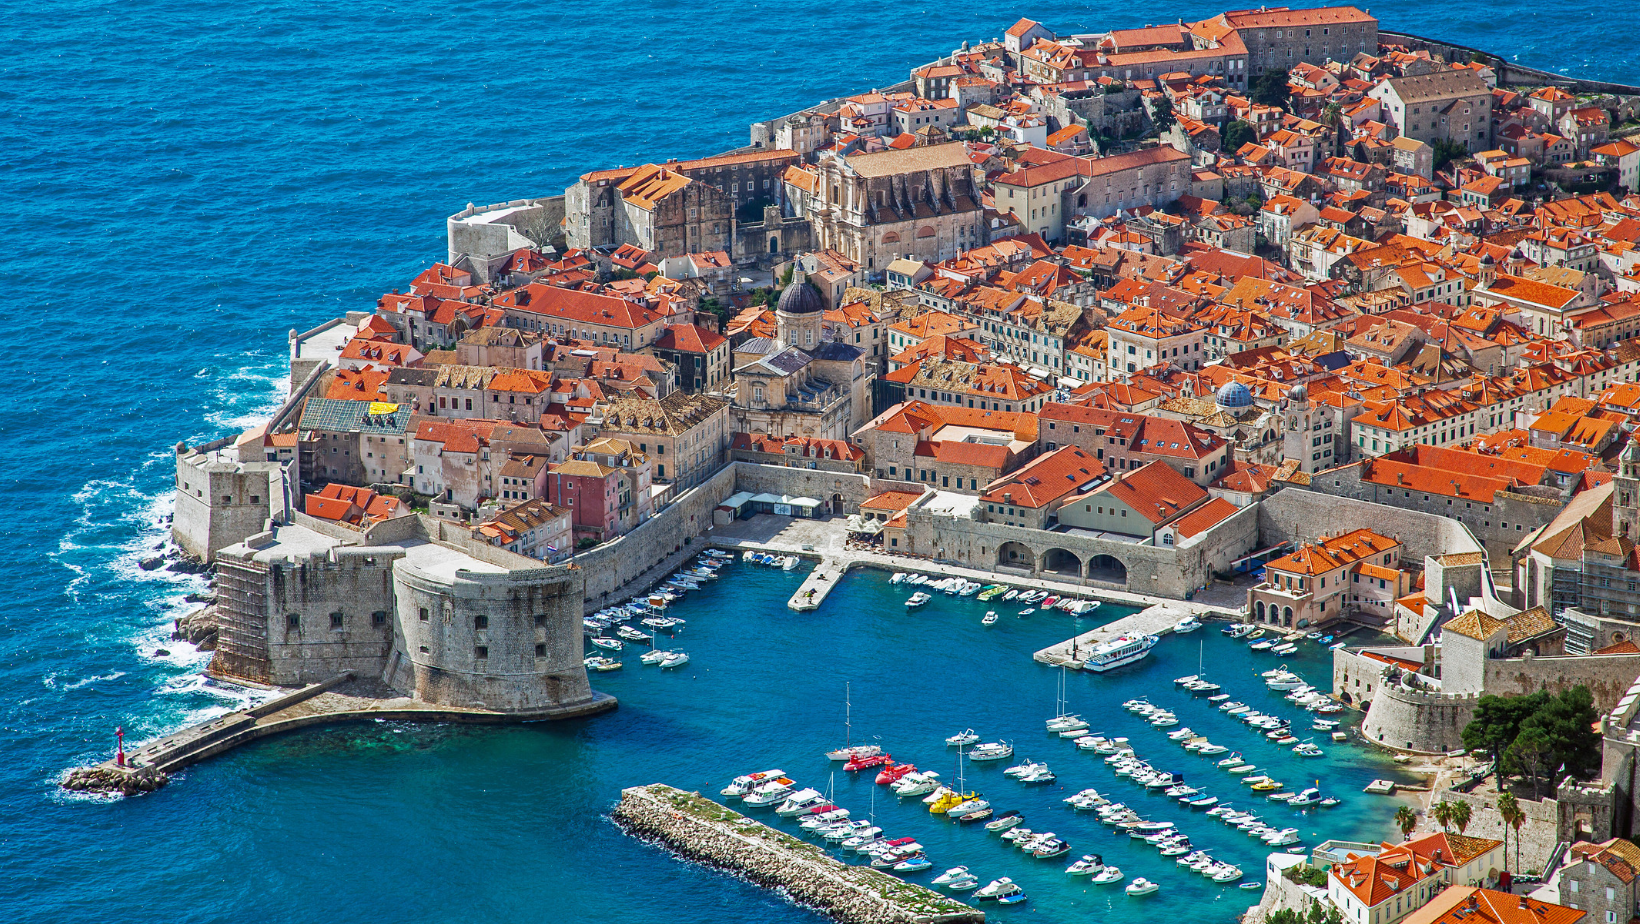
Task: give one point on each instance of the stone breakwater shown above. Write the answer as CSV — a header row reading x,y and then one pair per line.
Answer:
x,y
114,780
711,834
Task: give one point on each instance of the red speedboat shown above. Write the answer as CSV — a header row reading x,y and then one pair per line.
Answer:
x,y
893,772
867,761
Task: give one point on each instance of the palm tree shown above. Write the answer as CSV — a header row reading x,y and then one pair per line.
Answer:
x,y
1407,819
1442,813
1513,816
1460,815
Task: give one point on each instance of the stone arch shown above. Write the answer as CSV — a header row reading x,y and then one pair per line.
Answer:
x,y
1259,609
891,237
1016,555
1061,561
836,503
774,244
1107,568
926,231
1345,697
1287,616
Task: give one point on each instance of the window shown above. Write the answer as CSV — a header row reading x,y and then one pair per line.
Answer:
x,y
540,651
481,622
293,621
335,620
424,614
378,619
481,652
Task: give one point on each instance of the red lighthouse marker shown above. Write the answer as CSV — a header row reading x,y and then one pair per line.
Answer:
x,y
119,749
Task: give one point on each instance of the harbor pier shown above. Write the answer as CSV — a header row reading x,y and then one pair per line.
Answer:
x,y
709,833
820,581
1158,619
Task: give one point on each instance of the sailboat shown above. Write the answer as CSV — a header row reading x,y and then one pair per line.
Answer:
x,y
968,802
1062,721
850,750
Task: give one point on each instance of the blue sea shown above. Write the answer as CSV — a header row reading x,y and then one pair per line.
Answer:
x,y
185,182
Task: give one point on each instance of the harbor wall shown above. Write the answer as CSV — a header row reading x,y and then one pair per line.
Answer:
x,y
709,833
1306,516
628,565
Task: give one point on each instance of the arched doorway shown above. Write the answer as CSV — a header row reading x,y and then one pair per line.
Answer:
x,y
1345,697
1259,609
1017,556
774,245
1107,568
1060,561
837,503
1287,616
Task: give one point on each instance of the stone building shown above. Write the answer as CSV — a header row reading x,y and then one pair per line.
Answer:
x,y
1279,38
687,436
921,202
413,603
799,383
221,500
1453,105
1602,879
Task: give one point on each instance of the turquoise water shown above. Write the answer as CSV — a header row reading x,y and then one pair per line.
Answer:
x,y
184,183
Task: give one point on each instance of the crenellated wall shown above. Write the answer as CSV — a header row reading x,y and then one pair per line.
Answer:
x,y
1409,720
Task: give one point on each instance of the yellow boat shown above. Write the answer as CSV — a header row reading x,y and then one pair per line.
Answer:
x,y
949,801
1267,786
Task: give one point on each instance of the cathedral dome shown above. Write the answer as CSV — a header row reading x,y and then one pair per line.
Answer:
x,y
1298,393
1233,396
800,298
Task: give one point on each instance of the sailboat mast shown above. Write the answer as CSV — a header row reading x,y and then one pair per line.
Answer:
x,y
848,716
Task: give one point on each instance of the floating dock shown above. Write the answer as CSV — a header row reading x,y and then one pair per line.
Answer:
x,y
709,833
1154,620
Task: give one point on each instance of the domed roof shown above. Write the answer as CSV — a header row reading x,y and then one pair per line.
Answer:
x,y
1631,452
1233,395
800,298
1486,259
1298,393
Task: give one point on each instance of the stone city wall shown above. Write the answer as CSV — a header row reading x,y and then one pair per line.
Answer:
x,y
1537,836
711,834
629,565
1410,720
1608,677
1305,516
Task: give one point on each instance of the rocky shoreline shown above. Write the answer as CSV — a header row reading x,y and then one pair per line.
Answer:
x,y
114,780
711,834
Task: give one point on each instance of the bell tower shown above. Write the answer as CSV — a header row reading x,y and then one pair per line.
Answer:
x,y
1626,492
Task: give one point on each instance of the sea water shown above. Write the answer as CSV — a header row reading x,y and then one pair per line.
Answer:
x,y
182,184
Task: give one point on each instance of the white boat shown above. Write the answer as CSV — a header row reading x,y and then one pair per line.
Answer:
x,y
612,644
1186,625
953,875
899,577
967,808
789,563
1118,652
990,618
916,784
1027,611
1141,886
772,792
796,803
1020,770
1004,821
998,889
1107,875
962,739
1065,723
675,659
850,750
1089,865
918,599
1229,873
991,751
655,656
741,785
602,665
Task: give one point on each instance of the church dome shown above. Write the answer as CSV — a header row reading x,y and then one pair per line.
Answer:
x,y
1298,393
1233,396
800,298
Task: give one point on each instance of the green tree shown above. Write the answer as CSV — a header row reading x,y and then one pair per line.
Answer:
x,y
1442,813
1496,722
1531,751
1460,815
1236,134
1406,819
1513,817
1448,151
1568,723
1162,116
1271,89
1284,916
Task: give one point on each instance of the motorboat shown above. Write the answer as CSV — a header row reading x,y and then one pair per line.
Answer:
x,y
1050,848
1282,651
1018,834
770,792
741,785
799,802
601,664
950,800
1309,796
989,619
1203,801
1228,873
991,751
962,739
790,563
1107,875
1282,838
1027,611
1209,750
1262,644
1039,775
1306,749
675,659
1186,625
1324,724
654,656
991,593
968,807
1018,771
898,578
918,599
893,773
1089,865
822,817
1141,886
915,864
864,835
953,875
631,634
1010,595
1003,891
916,784
1004,821
983,814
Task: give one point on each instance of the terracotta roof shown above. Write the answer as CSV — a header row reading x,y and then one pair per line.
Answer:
x,y
1046,479
1474,624
1473,905
1205,517
1156,492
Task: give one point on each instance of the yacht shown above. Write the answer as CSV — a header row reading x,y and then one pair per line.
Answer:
x,y
1186,625
799,802
991,751
675,659
1307,797
918,599
1141,886
771,792
1050,847
1002,890
1118,652
954,875
962,739
916,784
